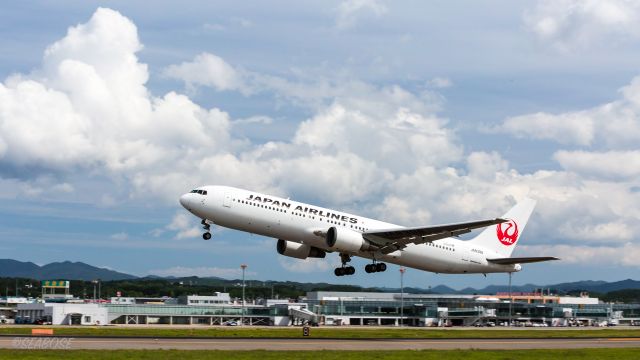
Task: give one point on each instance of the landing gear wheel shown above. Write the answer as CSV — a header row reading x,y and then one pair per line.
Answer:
x,y
206,236
369,268
345,270
380,267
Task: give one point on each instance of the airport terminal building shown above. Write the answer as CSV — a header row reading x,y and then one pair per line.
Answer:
x,y
343,308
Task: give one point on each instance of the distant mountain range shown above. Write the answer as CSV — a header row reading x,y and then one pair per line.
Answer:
x,y
68,270
65,270
588,285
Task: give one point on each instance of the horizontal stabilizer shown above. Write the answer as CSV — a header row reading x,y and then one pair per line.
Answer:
x,y
521,260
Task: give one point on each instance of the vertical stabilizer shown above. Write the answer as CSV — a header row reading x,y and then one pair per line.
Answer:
x,y
503,238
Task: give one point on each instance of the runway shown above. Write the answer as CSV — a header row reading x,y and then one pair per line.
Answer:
x,y
103,343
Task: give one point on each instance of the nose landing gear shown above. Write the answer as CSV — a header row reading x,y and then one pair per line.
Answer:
x,y
206,227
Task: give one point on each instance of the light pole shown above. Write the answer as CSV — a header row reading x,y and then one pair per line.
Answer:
x,y
402,270
94,290
243,266
510,297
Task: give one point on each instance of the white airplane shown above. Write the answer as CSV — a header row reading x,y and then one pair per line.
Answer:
x,y
305,231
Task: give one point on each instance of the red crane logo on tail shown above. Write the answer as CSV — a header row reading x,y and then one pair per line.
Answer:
x,y
507,232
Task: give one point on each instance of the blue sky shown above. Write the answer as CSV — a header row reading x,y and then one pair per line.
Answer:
x,y
412,112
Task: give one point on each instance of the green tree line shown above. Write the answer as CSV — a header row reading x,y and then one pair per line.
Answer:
x,y
156,287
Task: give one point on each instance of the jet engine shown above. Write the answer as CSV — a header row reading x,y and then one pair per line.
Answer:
x,y
299,251
348,241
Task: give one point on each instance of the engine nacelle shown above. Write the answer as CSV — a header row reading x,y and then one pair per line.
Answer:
x,y
345,240
299,251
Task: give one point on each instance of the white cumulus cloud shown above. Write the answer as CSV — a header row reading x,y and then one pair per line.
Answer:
x,y
440,82
88,108
184,226
380,150
570,128
615,124
121,236
609,164
206,70
570,24
350,11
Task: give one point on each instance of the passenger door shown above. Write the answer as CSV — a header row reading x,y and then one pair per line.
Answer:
x,y
226,200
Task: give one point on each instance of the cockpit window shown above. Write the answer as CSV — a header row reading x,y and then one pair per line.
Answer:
x,y
201,192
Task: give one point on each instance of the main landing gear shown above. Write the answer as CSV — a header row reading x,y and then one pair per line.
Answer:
x,y
375,267
206,227
345,270
350,270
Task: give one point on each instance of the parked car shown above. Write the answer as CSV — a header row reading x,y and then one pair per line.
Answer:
x,y
41,321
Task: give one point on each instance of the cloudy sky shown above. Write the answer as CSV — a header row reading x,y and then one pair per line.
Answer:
x,y
412,112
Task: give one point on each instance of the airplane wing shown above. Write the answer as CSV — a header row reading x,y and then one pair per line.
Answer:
x,y
397,239
521,260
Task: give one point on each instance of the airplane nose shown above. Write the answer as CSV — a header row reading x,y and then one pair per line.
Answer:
x,y
184,201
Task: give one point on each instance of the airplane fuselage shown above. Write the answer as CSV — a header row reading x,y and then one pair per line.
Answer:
x,y
298,222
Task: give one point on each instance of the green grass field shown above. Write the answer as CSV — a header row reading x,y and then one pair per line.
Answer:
x,y
342,333
580,354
